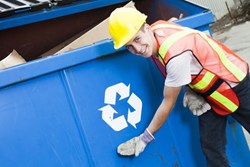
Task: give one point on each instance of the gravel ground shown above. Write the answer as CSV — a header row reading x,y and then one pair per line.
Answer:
x,y
239,14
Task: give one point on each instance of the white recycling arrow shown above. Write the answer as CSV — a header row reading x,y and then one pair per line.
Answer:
x,y
135,116
110,93
118,123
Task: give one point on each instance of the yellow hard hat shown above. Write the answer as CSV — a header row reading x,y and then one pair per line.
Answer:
x,y
124,23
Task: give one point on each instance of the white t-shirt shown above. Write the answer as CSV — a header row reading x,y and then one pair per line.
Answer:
x,y
180,68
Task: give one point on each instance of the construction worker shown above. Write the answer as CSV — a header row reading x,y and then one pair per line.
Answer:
x,y
216,79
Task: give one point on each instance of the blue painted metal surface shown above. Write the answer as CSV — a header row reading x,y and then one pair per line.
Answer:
x,y
50,112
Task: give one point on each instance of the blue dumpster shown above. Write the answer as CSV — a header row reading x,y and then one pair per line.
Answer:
x,y
75,108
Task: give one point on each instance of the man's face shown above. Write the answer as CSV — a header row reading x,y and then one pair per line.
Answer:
x,y
143,43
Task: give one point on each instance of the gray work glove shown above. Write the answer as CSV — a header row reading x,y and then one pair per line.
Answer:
x,y
196,103
135,145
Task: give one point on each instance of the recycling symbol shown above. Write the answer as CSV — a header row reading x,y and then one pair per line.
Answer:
x,y
108,112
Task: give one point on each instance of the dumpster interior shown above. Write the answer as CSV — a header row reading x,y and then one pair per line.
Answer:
x,y
34,39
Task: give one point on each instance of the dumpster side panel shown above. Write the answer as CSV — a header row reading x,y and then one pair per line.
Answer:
x,y
90,94
64,123
37,125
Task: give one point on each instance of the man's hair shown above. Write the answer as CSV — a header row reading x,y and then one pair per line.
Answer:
x,y
142,27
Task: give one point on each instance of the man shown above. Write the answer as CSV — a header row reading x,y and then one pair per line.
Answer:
x,y
187,57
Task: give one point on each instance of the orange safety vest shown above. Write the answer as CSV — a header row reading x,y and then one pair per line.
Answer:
x,y
219,64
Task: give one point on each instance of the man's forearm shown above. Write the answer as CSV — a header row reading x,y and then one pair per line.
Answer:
x,y
159,118
170,95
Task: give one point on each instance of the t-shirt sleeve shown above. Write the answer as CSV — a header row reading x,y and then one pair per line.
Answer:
x,y
179,70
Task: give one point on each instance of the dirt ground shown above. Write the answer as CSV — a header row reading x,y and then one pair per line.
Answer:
x,y
237,15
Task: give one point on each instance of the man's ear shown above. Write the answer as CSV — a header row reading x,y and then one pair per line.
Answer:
x,y
146,27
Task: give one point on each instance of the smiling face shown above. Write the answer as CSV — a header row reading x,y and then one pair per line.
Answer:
x,y
143,43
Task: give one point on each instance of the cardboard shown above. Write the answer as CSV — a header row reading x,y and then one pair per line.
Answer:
x,y
98,33
11,60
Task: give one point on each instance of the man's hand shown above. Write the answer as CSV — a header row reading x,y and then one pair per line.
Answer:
x,y
135,145
196,103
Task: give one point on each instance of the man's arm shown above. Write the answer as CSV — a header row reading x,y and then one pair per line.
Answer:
x,y
170,95
137,144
